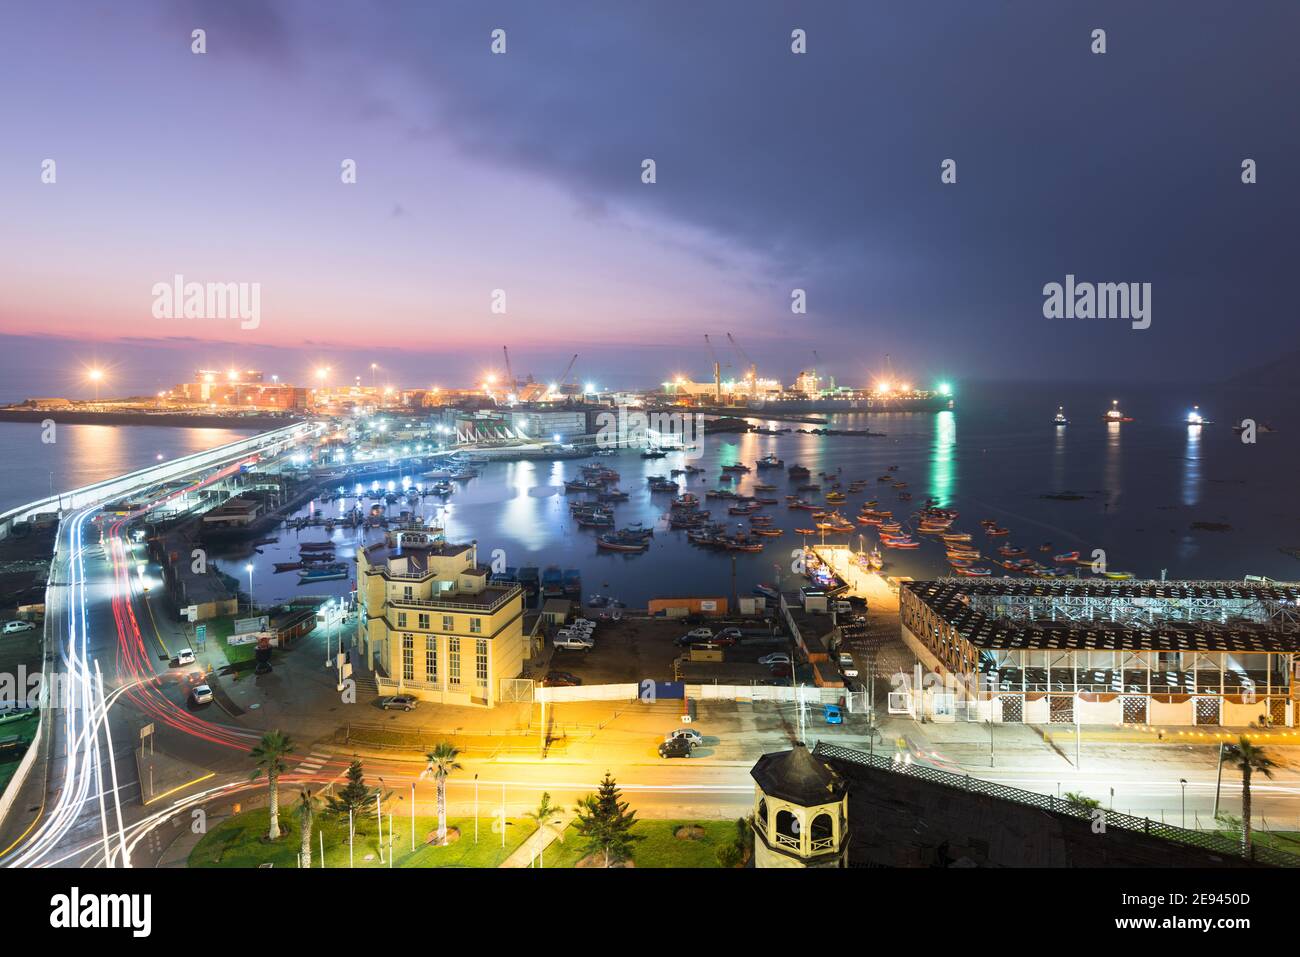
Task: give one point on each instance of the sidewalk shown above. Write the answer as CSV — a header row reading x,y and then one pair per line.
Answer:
x,y
536,843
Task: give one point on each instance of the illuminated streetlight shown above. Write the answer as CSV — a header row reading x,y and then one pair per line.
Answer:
x,y
249,568
95,375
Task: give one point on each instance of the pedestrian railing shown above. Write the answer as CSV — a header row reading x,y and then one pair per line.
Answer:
x,y
1205,840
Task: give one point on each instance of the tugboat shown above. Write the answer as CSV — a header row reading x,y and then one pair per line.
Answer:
x,y
1113,414
1060,416
770,461
1195,419
799,473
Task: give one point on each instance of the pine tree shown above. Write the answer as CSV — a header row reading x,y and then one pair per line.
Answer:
x,y
606,823
354,796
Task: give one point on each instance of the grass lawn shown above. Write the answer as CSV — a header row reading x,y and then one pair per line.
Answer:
x,y
24,729
237,842
658,847
220,630
1288,841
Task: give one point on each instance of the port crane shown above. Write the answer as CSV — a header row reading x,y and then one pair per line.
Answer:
x,y
752,375
717,371
511,385
564,378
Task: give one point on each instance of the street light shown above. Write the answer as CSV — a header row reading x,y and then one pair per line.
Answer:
x,y
249,568
1183,782
95,375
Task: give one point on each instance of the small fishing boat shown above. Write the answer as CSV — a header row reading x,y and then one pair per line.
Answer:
x,y
1066,557
1118,576
806,531
996,532
287,566
767,591
764,487
1060,418
770,462
797,472
316,546
323,573
620,543
974,572
766,532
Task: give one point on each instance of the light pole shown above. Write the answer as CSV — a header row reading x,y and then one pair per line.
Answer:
x,y
1183,782
249,568
476,809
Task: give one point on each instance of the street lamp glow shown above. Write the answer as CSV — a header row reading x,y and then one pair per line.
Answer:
x,y
590,388
945,388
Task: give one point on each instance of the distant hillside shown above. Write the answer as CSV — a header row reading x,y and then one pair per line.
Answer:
x,y
1276,373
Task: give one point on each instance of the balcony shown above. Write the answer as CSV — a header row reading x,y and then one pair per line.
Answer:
x,y
485,602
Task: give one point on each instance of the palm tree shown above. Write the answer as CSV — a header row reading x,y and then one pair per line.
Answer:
x,y
268,754
548,818
442,762
306,813
1248,759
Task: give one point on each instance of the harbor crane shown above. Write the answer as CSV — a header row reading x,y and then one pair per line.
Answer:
x,y
511,385
752,374
717,371
564,378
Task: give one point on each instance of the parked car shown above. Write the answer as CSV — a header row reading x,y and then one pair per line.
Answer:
x,y
847,666
185,656
696,636
574,642
727,636
399,702
690,734
676,748
560,679
775,658
833,714
202,694
14,627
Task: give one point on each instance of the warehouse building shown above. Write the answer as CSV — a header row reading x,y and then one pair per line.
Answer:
x,y
1219,653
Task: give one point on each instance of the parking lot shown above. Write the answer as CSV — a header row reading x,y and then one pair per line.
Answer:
x,y
633,650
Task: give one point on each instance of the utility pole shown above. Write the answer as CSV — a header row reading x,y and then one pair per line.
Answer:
x,y
1218,782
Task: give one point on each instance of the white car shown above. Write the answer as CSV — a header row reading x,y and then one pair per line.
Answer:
x,y
572,642
185,656
847,666
690,734
14,627
696,636
775,658
202,694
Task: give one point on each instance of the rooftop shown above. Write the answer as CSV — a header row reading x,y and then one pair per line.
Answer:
x,y
1015,614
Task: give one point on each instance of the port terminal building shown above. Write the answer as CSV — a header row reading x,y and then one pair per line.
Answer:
x,y
1152,653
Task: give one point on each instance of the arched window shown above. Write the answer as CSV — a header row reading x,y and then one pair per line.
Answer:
x,y
821,834
787,829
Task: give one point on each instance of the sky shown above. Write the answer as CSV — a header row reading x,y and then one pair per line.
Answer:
x,y
522,172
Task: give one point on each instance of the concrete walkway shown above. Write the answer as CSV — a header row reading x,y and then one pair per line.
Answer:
x,y
526,853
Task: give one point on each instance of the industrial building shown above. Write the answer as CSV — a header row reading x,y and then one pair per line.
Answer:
x,y
1217,653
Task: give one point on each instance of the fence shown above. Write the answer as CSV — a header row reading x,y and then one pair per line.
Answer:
x,y
632,692
1214,843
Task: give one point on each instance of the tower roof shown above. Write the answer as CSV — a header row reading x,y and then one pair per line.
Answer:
x,y
798,777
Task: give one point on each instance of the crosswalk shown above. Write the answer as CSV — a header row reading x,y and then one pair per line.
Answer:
x,y
314,762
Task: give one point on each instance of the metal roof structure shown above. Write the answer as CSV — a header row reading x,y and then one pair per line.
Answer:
x,y
1205,616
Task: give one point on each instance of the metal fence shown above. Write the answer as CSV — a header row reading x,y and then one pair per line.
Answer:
x,y
1215,843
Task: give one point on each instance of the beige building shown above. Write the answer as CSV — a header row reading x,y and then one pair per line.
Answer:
x,y
431,623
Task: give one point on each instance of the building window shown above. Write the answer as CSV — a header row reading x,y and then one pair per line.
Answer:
x,y
431,659
476,626
480,661
453,659
401,619
423,621
448,623
408,592
408,657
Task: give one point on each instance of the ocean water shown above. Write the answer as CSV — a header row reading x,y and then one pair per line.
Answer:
x,y
1142,485
31,469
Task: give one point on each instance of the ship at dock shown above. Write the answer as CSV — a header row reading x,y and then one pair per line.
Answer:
x,y
846,401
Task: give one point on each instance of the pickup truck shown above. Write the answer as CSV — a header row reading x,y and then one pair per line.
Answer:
x,y
574,642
